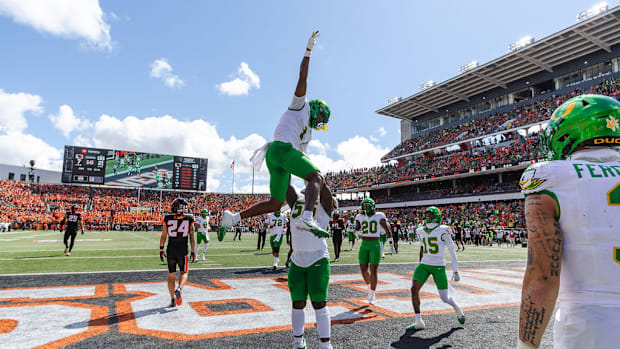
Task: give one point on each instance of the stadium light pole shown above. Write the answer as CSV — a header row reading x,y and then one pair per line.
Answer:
x,y
252,180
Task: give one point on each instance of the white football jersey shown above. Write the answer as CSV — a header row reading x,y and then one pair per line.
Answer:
x,y
276,224
433,245
307,247
293,126
203,223
371,226
586,188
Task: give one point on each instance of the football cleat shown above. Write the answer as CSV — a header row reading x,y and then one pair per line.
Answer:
x,y
312,226
68,254
459,315
65,251
177,294
274,267
172,303
371,297
417,325
203,257
300,345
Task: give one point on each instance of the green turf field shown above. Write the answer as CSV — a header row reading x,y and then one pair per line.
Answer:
x,y
144,163
42,252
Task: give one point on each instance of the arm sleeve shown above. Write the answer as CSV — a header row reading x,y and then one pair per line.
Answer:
x,y
447,240
297,103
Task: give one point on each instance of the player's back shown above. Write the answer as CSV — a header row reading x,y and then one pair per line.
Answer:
x,y
178,226
588,197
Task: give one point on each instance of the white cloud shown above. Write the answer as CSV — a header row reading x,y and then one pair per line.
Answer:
x,y
73,19
374,139
161,69
382,132
18,149
167,135
13,106
355,152
242,83
67,122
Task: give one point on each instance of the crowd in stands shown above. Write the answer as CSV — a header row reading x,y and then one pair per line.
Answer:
x,y
42,206
517,151
520,115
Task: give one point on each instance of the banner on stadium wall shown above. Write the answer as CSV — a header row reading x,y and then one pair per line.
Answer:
x,y
133,169
139,209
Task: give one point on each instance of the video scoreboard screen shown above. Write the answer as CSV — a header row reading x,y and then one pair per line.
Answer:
x,y
133,169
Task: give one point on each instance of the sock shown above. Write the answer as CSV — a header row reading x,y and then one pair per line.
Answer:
x,y
206,246
307,215
323,325
371,293
197,249
381,247
275,260
418,316
446,298
298,318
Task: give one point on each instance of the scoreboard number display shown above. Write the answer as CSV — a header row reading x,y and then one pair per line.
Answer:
x,y
115,167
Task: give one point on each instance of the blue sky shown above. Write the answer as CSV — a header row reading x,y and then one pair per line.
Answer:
x,y
211,78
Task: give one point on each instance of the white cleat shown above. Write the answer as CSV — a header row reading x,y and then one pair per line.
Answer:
x,y
312,226
417,325
203,257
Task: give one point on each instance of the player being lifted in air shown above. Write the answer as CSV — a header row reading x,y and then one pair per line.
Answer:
x,y
309,272
202,234
177,227
74,221
434,239
371,225
285,155
572,211
276,222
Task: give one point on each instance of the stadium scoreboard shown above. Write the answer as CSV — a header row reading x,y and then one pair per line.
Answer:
x,y
87,165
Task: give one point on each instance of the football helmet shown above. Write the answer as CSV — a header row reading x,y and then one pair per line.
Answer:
x,y
179,205
586,120
204,212
319,114
432,215
368,206
74,208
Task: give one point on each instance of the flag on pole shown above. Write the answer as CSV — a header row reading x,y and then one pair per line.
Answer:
x,y
232,166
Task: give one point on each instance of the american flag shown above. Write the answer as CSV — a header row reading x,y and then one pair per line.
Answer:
x,y
232,166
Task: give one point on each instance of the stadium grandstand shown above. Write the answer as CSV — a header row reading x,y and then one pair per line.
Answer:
x,y
466,141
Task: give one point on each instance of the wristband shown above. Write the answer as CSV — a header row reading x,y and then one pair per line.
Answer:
x,y
308,53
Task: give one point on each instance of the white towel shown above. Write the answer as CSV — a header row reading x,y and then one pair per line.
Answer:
x,y
259,156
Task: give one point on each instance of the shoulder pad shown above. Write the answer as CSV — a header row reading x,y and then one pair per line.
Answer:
x,y
536,178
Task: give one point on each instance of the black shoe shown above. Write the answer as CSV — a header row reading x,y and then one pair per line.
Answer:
x,y
173,303
177,294
274,268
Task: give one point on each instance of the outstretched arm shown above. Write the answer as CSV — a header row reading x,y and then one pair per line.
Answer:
x,y
542,275
300,90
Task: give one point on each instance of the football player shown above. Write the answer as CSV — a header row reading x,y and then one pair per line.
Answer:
x,y
177,227
276,222
572,212
309,272
351,232
74,221
371,225
202,234
434,239
285,155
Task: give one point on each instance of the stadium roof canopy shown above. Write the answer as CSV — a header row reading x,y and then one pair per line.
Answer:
x,y
600,32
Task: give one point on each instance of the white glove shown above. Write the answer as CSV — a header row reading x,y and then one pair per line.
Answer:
x,y
311,42
456,277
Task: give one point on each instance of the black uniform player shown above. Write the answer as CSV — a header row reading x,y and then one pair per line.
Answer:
x,y
337,226
396,234
74,220
178,227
